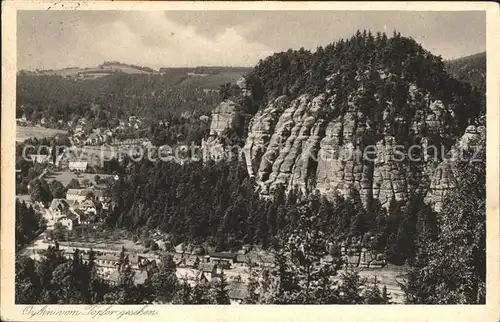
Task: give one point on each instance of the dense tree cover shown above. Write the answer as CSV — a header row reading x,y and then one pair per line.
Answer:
x,y
217,203
58,280
29,224
363,62
470,69
104,101
40,190
25,150
451,268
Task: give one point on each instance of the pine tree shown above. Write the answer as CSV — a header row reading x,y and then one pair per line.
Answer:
x,y
351,288
386,296
452,269
373,295
301,276
219,291
200,292
27,281
183,294
164,283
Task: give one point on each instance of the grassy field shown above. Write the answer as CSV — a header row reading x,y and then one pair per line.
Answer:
x,y
25,132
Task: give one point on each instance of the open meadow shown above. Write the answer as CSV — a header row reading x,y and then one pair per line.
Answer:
x,y
25,132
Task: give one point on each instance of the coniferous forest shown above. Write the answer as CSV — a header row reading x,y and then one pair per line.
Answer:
x,y
216,204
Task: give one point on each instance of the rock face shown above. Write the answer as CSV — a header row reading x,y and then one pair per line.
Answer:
x,y
443,178
290,144
374,147
225,116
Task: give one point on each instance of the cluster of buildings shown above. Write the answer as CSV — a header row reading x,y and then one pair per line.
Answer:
x,y
193,269
85,134
81,207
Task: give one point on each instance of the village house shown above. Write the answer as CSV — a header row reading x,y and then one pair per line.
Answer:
x,y
88,207
224,260
78,195
72,203
78,129
58,208
182,248
69,220
190,275
244,249
82,217
208,270
40,158
75,140
21,122
78,166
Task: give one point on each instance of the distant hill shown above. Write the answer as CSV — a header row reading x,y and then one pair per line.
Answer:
x,y
106,68
206,77
470,69
207,70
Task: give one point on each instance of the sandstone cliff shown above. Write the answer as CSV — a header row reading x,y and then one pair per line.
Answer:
x,y
443,178
224,117
379,128
289,144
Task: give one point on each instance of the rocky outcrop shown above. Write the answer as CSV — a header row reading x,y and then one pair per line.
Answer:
x,y
443,179
378,149
290,144
225,116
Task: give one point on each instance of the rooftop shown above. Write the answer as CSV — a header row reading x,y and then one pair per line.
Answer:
x,y
223,255
59,204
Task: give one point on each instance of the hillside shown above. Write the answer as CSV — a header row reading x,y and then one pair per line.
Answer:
x,y
112,96
213,76
470,69
104,69
307,110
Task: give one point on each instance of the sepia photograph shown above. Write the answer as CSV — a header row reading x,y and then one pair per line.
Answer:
x,y
260,157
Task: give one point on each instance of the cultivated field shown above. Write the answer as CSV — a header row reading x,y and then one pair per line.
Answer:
x,y
26,132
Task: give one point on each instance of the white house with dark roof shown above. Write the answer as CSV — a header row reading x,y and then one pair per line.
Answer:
x,y
40,158
67,221
78,166
88,207
58,207
72,203
76,194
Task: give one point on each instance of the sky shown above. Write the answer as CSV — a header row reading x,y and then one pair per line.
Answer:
x,y
59,39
